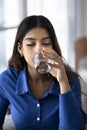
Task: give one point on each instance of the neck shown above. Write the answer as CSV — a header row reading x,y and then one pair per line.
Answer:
x,y
34,76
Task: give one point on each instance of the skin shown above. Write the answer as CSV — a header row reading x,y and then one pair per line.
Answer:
x,y
38,39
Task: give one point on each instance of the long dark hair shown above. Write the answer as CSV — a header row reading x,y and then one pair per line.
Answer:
x,y
27,24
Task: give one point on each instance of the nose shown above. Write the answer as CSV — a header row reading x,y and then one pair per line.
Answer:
x,y
38,48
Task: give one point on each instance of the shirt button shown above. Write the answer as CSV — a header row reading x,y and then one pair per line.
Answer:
x,y
38,105
38,118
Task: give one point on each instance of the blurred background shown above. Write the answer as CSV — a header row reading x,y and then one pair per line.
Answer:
x,y
69,18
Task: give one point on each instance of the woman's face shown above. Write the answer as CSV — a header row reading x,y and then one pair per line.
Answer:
x,y
35,39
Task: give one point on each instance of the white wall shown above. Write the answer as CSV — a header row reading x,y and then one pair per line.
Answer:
x,y
81,18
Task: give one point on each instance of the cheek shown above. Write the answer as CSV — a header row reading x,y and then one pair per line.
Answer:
x,y
50,46
28,57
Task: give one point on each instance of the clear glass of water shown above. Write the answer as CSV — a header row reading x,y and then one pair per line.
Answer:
x,y
41,63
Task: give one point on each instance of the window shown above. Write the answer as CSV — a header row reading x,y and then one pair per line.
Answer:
x,y
10,15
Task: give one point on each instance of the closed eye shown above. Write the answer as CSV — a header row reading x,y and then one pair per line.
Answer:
x,y
47,44
30,44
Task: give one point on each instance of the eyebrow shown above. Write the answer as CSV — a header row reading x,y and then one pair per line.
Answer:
x,y
31,38
48,37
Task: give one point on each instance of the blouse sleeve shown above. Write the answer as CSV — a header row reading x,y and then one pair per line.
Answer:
x,y
71,115
3,107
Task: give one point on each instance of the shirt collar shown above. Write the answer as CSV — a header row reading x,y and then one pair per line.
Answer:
x,y
55,89
23,87
22,84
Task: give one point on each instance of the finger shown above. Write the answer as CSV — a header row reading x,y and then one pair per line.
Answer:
x,y
58,64
51,54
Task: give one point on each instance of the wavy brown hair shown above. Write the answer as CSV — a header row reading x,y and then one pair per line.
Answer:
x,y
26,25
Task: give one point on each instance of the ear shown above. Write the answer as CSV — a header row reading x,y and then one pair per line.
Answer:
x,y
20,49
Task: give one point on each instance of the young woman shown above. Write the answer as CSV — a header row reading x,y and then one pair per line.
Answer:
x,y
40,101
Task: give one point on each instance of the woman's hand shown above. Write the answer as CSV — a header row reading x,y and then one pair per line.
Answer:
x,y
58,69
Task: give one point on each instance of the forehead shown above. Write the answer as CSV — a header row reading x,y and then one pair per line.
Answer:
x,y
37,32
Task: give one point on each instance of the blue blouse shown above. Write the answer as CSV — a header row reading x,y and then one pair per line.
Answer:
x,y
53,111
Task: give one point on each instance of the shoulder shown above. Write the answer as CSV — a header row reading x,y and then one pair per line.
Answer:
x,y
8,81
76,84
9,73
76,80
